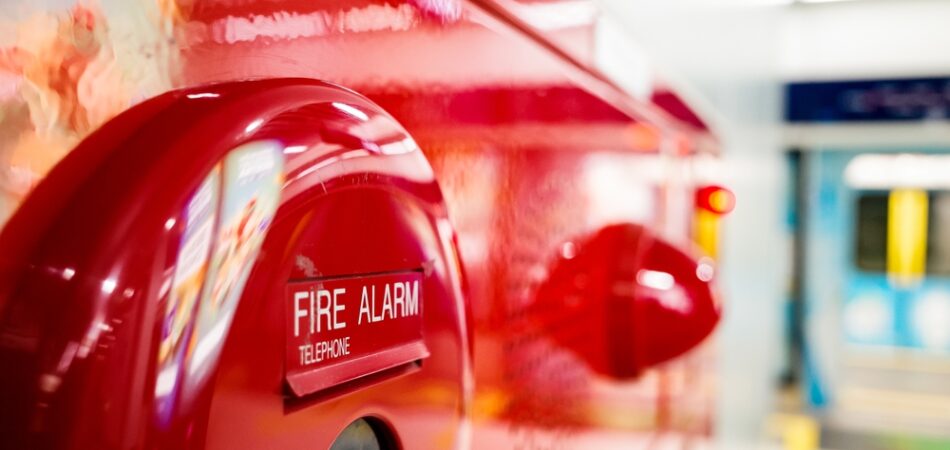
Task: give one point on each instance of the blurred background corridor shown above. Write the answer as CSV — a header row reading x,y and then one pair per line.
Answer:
x,y
834,121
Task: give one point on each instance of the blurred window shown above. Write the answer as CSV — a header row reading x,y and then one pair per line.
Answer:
x,y
871,232
938,234
871,235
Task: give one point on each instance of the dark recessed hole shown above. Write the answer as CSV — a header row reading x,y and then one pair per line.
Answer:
x,y
367,433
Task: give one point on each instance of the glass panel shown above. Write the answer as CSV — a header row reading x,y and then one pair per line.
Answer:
x,y
938,234
871,232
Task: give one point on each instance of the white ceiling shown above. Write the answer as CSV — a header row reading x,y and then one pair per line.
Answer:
x,y
732,56
792,39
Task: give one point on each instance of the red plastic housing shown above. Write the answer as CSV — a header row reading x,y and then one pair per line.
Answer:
x,y
184,183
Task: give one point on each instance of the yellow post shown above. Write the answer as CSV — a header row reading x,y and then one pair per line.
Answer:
x,y
706,232
906,235
795,431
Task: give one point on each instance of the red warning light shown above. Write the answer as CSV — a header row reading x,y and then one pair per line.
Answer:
x,y
716,199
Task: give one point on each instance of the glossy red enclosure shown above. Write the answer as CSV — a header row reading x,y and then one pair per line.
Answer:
x,y
281,224
356,198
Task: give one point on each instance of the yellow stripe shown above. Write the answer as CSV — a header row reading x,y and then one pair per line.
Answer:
x,y
706,232
906,235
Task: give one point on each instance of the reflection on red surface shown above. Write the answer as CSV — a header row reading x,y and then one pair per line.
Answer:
x,y
675,106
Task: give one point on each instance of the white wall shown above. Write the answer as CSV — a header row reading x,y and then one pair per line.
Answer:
x,y
859,39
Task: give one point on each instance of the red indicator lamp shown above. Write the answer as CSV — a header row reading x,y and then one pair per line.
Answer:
x,y
715,199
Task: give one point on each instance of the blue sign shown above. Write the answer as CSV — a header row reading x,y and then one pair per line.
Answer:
x,y
903,100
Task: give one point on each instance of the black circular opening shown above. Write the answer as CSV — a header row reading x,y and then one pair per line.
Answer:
x,y
366,433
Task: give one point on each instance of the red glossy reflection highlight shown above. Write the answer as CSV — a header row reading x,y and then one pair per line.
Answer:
x,y
640,300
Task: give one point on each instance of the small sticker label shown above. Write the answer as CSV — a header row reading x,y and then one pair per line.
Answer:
x,y
344,328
